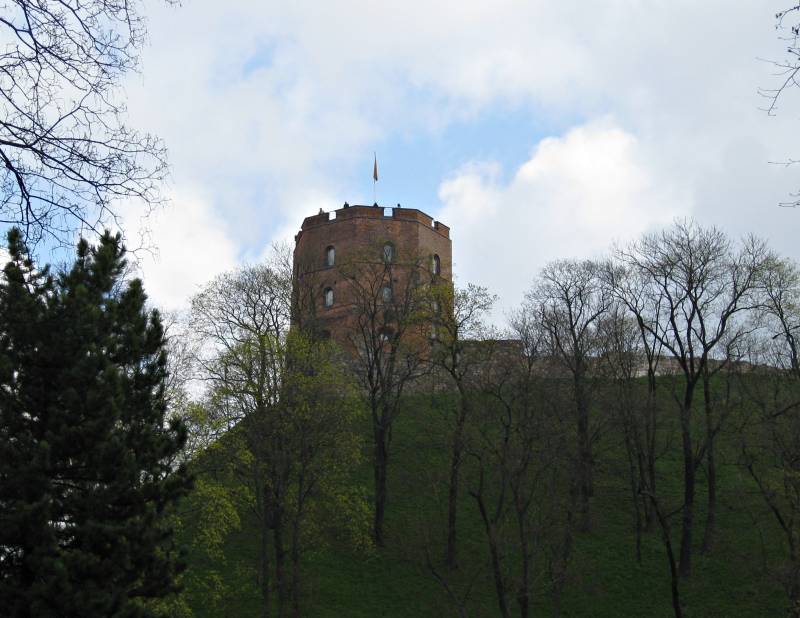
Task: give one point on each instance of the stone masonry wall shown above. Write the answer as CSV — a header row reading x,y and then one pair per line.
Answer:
x,y
359,233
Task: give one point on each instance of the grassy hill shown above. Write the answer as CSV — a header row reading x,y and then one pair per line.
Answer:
x,y
737,579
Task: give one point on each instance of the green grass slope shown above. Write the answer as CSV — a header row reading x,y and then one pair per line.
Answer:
x,y
737,579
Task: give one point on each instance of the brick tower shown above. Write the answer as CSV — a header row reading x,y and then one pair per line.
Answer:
x,y
368,235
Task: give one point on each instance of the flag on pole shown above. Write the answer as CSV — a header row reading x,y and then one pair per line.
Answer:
x,y
375,169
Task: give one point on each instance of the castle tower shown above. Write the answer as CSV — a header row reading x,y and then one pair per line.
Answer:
x,y
327,242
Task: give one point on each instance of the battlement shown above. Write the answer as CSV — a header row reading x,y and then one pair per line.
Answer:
x,y
349,235
374,212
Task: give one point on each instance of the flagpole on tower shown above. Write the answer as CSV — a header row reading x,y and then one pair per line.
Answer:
x,y
375,180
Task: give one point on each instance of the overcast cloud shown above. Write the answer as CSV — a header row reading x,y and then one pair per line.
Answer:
x,y
642,111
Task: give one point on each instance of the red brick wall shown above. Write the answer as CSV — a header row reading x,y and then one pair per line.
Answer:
x,y
356,233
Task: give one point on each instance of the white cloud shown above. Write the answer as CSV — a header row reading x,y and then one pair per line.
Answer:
x,y
185,245
573,197
266,108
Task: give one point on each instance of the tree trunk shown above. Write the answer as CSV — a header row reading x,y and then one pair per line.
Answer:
x,y
280,564
711,515
524,592
643,461
794,594
585,483
295,548
632,471
451,558
650,446
494,552
498,577
793,585
685,564
266,601
295,591
380,464
792,582
558,574
676,601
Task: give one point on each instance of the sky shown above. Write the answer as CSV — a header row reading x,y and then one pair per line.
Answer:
x,y
535,130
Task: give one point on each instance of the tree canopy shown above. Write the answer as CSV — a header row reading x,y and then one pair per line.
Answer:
x,y
65,151
87,455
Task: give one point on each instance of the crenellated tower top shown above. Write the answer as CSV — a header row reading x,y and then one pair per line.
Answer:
x,y
329,240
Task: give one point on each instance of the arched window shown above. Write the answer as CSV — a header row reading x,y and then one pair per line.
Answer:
x,y
328,296
330,256
386,293
436,265
388,253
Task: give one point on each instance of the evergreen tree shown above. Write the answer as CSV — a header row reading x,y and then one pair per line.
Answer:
x,y
87,457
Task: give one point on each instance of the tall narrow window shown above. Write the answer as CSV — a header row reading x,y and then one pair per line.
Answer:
x,y
328,294
388,253
436,265
330,256
386,293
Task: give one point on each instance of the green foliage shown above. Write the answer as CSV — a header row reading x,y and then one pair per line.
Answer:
x,y
322,410
87,458
214,519
603,577
283,467
173,606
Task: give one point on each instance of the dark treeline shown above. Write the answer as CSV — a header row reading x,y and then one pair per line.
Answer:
x,y
90,460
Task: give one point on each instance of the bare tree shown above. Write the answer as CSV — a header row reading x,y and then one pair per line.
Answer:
x,y
781,308
697,283
632,291
628,347
203,427
520,471
459,319
666,537
570,298
65,151
770,444
621,352
388,337
787,24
